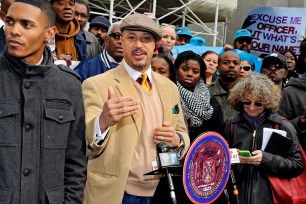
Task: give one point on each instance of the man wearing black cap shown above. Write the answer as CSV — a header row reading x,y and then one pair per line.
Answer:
x,y
70,45
42,124
99,27
274,66
129,109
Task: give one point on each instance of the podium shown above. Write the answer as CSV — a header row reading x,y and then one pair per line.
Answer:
x,y
161,195
204,175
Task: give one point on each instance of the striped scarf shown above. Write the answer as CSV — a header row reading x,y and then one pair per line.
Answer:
x,y
196,104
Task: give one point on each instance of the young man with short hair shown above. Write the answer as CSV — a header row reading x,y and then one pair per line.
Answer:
x,y
42,145
229,69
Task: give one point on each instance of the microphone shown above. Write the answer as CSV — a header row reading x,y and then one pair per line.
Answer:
x,y
165,160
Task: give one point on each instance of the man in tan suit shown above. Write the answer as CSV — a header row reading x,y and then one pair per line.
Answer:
x,y
129,110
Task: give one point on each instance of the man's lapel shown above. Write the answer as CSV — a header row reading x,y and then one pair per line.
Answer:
x,y
125,87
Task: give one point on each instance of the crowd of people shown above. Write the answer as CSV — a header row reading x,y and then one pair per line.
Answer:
x,y
89,134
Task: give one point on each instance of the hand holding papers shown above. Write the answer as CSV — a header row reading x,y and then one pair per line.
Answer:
x,y
276,142
267,132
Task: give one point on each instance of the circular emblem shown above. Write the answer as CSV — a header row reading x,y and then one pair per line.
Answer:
x,y
206,168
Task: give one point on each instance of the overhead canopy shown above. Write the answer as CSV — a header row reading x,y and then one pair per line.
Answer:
x,y
204,9
175,12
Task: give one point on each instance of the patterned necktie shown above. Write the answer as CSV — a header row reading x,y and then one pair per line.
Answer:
x,y
145,83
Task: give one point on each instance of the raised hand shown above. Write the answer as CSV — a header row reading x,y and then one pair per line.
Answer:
x,y
116,108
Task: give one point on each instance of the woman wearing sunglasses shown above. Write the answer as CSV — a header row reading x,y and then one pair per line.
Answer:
x,y
257,98
246,65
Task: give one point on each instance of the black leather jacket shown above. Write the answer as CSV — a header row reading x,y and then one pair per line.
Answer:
x,y
252,183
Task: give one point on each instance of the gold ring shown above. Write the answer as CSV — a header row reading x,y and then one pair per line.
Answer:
x,y
161,138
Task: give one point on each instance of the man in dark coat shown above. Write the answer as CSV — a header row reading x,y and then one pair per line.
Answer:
x,y
42,143
82,12
229,68
110,57
293,106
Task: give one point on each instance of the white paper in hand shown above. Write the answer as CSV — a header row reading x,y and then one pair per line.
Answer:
x,y
267,132
234,156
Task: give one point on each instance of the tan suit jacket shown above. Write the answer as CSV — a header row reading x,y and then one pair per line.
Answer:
x,y
109,164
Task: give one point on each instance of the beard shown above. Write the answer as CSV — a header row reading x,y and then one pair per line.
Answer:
x,y
140,65
230,78
100,40
245,48
82,27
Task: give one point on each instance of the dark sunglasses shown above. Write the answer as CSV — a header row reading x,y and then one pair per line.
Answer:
x,y
246,68
248,103
247,41
277,66
116,36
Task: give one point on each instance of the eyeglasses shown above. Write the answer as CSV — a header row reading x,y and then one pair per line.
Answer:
x,y
167,25
246,40
277,66
116,36
246,68
248,103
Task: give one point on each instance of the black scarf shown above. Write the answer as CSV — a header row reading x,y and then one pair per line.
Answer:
x,y
254,122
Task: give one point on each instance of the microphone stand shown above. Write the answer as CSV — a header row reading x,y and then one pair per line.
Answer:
x,y
163,148
171,186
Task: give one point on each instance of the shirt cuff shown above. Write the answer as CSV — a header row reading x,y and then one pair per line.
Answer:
x,y
98,136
